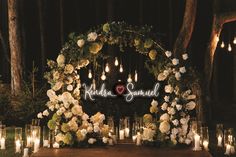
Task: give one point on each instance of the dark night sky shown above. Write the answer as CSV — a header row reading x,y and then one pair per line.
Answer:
x,y
164,15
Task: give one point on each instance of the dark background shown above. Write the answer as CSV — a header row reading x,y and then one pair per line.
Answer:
x,y
164,15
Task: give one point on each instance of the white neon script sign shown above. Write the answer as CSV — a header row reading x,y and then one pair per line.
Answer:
x,y
131,92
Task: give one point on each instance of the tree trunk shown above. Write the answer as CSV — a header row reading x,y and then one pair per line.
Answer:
x,y
15,48
186,30
42,34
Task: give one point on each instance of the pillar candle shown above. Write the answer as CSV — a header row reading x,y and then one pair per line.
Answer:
x,y
134,137
205,144
26,152
18,145
126,132
219,139
3,146
46,143
227,151
36,145
122,135
55,145
197,142
139,138
28,141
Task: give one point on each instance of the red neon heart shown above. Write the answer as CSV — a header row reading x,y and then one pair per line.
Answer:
x,y
120,89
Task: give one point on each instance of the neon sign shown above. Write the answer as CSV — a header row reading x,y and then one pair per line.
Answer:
x,y
128,91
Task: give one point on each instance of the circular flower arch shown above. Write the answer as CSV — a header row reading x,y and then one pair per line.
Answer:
x,y
169,116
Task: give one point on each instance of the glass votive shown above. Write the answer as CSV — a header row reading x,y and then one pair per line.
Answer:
x,y
205,137
122,129
35,134
35,122
3,137
28,138
194,126
127,126
46,137
111,124
219,134
229,136
18,139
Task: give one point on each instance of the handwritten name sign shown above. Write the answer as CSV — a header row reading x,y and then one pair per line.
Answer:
x,y
129,95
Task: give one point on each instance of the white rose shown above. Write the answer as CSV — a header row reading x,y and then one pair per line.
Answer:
x,y
77,110
69,87
84,132
181,140
190,105
183,121
168,54
61,60
57,86
73,125
68,69
52,95
59,137
185,56
62,109
68,115
182,70
96,128
45,113
85,117
191,97
175,61
40,115
169,89
165,117
90,129
51,108
187,141
92,36
164,106
91,140
56,75
80,42
59,113
167,98
104,139
164,127
175,122
178,107
171,111
154,103
174,131
177,75
173,104
161,77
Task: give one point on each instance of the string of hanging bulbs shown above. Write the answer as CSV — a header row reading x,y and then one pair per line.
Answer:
x,y
229,45
117,63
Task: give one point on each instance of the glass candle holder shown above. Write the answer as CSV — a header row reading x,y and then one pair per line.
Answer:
x,y
46,137
18,139
3,137
28,138
219,134
35,134
127,126
35,122
111,124
205,138
229,141
121,129
194,126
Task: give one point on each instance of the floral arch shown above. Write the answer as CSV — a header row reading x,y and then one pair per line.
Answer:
x,y
72,126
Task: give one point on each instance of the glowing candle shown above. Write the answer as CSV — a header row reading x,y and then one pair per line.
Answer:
x,y
205,144
36,145
28,141
3,146
122,134
46,143
197,142
18,145
56,145
228,147
138,142
26,152
126,132
134,138
232,150
219,139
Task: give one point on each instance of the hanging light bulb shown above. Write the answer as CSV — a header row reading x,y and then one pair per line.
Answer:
x,y
90,74
234,40
129,78
116,61
217,38
229,48
103,77
107,69
136,76
121,68
222,45
94,84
